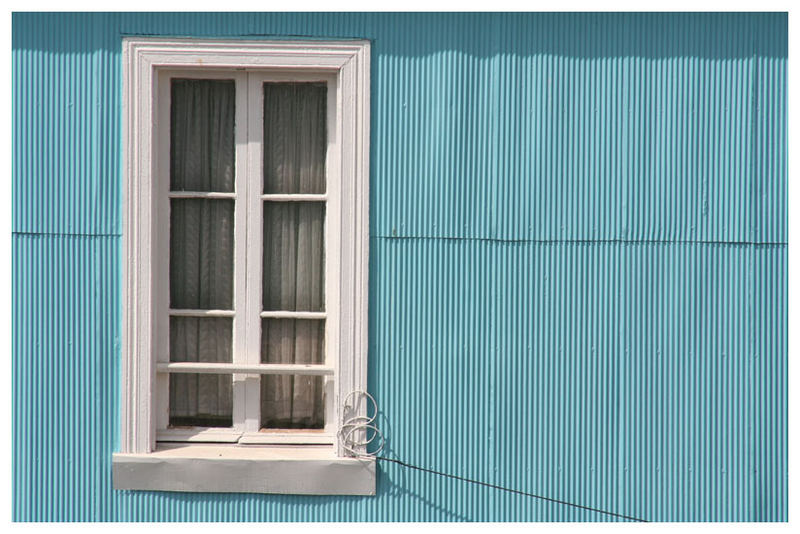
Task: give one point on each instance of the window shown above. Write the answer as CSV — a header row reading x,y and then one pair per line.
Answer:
x,y
245,264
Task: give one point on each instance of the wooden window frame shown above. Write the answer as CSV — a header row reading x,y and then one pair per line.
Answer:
x,y
248,249
146,189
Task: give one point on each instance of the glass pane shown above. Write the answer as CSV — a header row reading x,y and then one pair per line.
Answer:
x,y
292,401
200,399
292,341
293,256
295,140
201,254
200,339
202,135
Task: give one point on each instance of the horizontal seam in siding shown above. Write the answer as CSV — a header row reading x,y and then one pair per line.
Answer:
x,y
64,234
598,241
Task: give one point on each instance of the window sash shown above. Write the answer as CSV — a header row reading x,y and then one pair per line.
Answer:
x,y
255,241
163,196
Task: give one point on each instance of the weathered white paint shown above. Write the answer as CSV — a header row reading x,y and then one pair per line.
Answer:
x,y
235,468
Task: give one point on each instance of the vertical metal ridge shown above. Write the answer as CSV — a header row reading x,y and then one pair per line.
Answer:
x,y
66,333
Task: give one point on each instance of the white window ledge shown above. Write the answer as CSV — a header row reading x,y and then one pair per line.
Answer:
x,y
244,469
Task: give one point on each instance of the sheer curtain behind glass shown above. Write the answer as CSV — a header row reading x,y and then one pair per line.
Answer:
x,y
201,247
295,144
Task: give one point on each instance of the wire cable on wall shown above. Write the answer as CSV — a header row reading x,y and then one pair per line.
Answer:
x,y
354,436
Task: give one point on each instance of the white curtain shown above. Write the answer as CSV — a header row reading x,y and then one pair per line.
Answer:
x,y
200,399
201,248
293,270
202,136
295,137
293,280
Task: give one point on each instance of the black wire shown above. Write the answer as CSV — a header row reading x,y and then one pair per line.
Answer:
x,y
598,510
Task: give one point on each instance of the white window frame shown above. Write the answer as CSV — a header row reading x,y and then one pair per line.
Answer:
x,y
247,313
345,66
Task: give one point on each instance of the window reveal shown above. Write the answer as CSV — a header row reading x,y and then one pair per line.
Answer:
x,y
205,313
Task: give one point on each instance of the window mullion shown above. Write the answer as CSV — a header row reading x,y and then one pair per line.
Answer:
x,y
254,230
240,253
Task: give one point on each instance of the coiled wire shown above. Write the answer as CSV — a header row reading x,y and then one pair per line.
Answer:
x,y
358,432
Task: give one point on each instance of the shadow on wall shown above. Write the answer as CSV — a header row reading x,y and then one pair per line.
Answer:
x,y
393,480
396,486
579,35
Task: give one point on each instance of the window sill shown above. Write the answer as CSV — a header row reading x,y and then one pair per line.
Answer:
x,y
244,469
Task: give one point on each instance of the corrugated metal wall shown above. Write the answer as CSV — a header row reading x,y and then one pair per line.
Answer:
x,y
578,264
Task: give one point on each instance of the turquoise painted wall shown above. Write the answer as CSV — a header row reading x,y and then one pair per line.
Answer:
x,y
578,265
